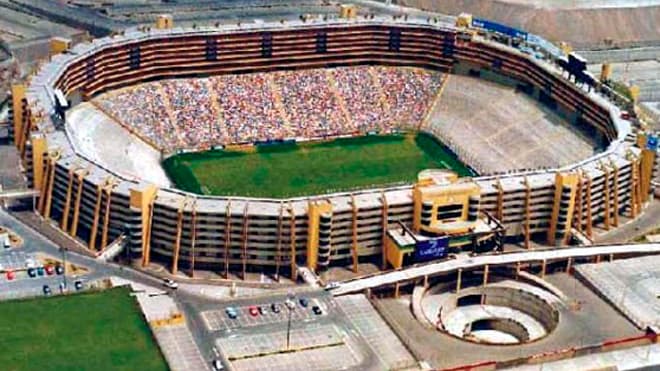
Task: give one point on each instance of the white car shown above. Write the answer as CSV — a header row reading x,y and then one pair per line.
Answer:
x,y
171,284
217,365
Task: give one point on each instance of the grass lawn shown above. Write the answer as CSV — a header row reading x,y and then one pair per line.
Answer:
x,y
288,170
91,331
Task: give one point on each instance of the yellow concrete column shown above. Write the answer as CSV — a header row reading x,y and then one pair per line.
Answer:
x,y
589,209
17,96
315,209
141,200
543,267
562,180
106,216
76,208
47,192
615,174
39,151
44,191
227,236
64,223
384,226
95,222
606,170
458,280
646,173
177,239
486,268
193,237
294,268
528,196
354,225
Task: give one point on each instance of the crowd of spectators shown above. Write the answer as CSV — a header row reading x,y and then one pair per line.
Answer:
x,y
310,103
190,100
408,94
246,108
142,109
362,95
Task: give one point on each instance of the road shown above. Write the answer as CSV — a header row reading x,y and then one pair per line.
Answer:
x,y
451,265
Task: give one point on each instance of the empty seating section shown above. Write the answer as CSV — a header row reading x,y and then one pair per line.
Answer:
x,y
498,129
176,114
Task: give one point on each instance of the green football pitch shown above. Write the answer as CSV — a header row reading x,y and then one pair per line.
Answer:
x,y
91,331
289,170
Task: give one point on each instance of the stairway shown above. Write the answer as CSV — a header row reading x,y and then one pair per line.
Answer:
x,y
170,113
277,100
332,85
216,128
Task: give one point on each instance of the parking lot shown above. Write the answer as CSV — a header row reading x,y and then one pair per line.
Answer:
x,y
312,336
328,358
218,319
13,259
18,281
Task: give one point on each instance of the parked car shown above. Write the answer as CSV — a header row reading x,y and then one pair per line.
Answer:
x,y
78,285
50,270
46,289
332,285
40,271
275,308
231,312
170,283
261,310
253,311
317,310
59,269
10,275
304,302
32,272
217,365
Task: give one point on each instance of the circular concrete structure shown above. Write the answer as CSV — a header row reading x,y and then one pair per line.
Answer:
x,y
503,313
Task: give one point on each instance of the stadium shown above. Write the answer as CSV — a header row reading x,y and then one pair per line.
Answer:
x,y
268,146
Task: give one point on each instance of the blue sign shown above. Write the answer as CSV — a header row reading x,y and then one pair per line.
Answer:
x,y
497,27
431,249
652,143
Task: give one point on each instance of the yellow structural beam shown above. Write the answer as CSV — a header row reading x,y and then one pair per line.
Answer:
x,y
646,173
193,236
47,191
314,211
106,216
177,239
227,237
95,222
292,235
354,225
64,223
141,200
385,226
17,96
39,150
562,180
76,208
